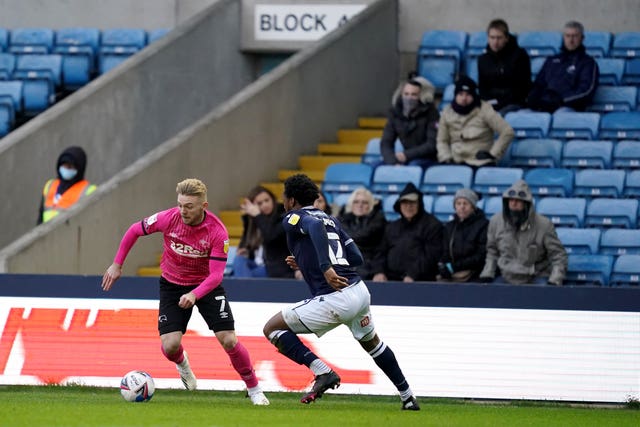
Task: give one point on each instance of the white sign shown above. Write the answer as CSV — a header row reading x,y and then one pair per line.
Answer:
x,y
300,22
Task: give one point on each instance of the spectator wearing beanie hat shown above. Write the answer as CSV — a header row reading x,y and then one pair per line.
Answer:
x,y
465,240
467,127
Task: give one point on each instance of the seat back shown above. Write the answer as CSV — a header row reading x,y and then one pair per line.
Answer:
x,y
626,45
626,271
446,179
48,67
626,155
447,96
157,34
392,179
597,43
31,40
387,207
536,66
536,153
580,241
617,241
476,44
7,65
4,40
599,183
443,43
443,208
12,90
346,177
570,125
632,184
605,213
440,71
372,154
557,182
589,270
614,98
587,154
620,125
611,70
631,75
529,124
492,205
495,180
540,43
77,40
563,212
123,40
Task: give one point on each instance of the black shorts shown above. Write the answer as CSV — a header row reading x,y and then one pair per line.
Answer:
x,y
213,307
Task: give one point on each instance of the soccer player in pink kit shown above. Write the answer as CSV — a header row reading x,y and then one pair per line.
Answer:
x,y
195,254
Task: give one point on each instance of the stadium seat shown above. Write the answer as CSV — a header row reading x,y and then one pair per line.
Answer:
x,y
157,34
493,181
427,201
477,44
580,241
536,66
31,41
540,43
536,153
387,207
41,75
618,241
605,213
78,47
492,205
563,211
231,254
7,65
625,45
550,182
372,155
439,56
597,43
447,96
471,68
626,155
622,125
573,125
589,270
446,179
614,98
632,184
10,104
626,271
579,153
529,124
392,179
118,44
443,208
599,183
4,40
611,70
346,177
631,75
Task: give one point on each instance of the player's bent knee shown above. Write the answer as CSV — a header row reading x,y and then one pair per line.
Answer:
x,y
227,339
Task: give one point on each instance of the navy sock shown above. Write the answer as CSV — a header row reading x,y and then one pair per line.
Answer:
x,y
290,345
386,360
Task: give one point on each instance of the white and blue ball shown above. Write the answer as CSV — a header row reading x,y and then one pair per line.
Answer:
x,y
137,386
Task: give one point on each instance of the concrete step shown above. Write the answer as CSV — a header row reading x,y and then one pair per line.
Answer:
x,y
320,163
357,136
342,149
316,176
372,122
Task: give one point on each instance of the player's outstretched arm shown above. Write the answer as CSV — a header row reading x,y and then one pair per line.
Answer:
x,y
110,276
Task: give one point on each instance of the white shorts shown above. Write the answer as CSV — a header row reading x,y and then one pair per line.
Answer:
x,y
323,313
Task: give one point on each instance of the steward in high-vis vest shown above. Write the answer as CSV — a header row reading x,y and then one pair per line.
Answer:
x,y
70,186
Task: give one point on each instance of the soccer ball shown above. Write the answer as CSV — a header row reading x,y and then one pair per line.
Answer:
x,y
137,386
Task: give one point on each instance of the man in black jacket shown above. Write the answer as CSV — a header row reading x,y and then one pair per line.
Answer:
x,y
568,79
504,70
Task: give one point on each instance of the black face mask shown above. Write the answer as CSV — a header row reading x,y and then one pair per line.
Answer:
x,y
518,217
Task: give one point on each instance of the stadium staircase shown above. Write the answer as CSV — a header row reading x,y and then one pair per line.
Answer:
x,y
350,146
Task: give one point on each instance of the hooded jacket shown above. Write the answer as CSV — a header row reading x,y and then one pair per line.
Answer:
x,y
505,76
417,133
522,254
465,243
568,79
410,248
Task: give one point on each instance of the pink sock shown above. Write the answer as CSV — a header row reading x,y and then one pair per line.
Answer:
x,y
241,361
176,357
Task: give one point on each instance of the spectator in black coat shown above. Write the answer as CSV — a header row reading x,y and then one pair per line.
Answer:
x,y
465,240
504,70
412,244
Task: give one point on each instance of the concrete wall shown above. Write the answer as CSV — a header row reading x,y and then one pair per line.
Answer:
x,y
263,128
122,115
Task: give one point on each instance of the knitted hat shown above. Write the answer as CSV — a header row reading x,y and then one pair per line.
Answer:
x,y
465,83
470,195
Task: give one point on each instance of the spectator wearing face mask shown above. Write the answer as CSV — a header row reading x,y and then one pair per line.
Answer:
x,y
413,119
522,245
68,188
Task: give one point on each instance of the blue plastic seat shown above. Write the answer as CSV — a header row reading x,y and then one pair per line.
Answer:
x,y
563,211
529,124
536,66
447,96
440,55
622,125
372,154
540,43
476,44
41,75
605,213
31,41
346,177
579,153
618,241
589,270
597,43
574,125
471,68
427,201
492,205
599,183
79,48
10,104
614,98
443,208
392,179
632,184
119,44
446,179
491,181
626,155
7,65
536,153
626,271
231,255
626,45
157,34
440,71
580,241
4,40
611,70
552,182
387,207
631,75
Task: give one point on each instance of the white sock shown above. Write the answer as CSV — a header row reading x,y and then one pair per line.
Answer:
x,y
404,395
319,367
254,390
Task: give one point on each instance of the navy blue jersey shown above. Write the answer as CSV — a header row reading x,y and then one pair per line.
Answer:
x,y
318,242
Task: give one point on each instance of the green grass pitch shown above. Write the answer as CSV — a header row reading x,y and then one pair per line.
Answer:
x,y
90,406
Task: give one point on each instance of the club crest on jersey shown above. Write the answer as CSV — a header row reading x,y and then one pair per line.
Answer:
x,y
226,246
293,219
365,321
152,219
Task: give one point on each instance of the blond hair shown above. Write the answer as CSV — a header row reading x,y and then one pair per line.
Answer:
x,y
192,187
366,194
